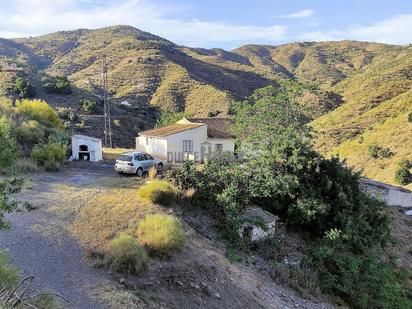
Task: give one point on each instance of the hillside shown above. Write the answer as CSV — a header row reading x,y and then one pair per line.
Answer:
x,y
356,93
146,74
378,100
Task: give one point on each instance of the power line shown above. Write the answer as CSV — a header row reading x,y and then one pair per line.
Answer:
x,y
107,107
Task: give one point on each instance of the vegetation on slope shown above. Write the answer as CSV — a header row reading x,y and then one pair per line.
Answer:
x,y
378,101
348,87
146,74
321,198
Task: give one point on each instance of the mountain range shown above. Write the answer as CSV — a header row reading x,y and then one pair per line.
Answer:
x,y
355,94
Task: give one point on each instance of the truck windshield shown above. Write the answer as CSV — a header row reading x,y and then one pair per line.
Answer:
x,y
125,158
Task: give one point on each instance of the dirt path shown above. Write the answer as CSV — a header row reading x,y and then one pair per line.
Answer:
x,y
56,260
200,276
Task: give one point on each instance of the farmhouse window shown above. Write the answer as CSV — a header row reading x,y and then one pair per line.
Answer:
x,y
188,146
219,147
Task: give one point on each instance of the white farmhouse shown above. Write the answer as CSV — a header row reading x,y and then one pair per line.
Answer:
x,y
86,148
193,138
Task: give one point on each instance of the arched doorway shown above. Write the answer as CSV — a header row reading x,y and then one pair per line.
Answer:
x,y
84,153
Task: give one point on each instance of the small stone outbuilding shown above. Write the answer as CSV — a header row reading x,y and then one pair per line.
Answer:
x,y
86,148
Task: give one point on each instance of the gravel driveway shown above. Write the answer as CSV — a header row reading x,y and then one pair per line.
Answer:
x,y
56,261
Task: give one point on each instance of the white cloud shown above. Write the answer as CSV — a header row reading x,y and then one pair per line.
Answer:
x,y
299,14
394,30
33,17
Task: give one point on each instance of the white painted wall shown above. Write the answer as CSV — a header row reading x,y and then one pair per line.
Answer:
x,y
94,147
228,143
170,147
155,146
175,143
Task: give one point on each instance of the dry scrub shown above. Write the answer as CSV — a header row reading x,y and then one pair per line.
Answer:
x,y
108,212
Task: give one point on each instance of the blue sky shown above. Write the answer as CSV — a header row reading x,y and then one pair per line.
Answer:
x,y
213,23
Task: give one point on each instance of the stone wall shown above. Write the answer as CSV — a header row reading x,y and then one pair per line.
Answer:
x,y
392,195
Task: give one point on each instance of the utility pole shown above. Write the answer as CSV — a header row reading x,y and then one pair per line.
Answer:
x,y
107,107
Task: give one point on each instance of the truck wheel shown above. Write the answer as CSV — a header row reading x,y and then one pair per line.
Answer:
x,y
139,172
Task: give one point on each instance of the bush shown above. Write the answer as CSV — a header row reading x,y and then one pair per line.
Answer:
x,y
402,175
8,188
50,155
59,137
30,132
377,152
39,110
88,106
64,113
8,273
410,117
361,281
161,233
167,118
58,85
52,166
126,254
157,191
281,172
23,89
8,148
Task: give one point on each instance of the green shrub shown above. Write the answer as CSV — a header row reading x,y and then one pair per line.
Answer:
x,y
280,171
360,281
59,137
377,152
8,148
402,175
23,89
88,106
30,132
58,85
8,188
126,254
157,191
39,110
8,273
410,117
167,118
50,155
161,233
64,112
52,166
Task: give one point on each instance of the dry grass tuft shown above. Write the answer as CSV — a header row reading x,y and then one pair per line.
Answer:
x,y
111,154
27,165
106,213
152,173
126,254
157,191
188,194
161,233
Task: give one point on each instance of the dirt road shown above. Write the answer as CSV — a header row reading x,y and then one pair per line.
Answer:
x,y
200,276
56,260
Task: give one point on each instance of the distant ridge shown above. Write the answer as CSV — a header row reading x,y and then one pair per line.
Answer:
x,y
356,93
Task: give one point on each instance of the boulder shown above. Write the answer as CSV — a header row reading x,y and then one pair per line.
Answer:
x,y
258,224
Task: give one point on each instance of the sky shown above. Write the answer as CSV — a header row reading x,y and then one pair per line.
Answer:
x,y
218,23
